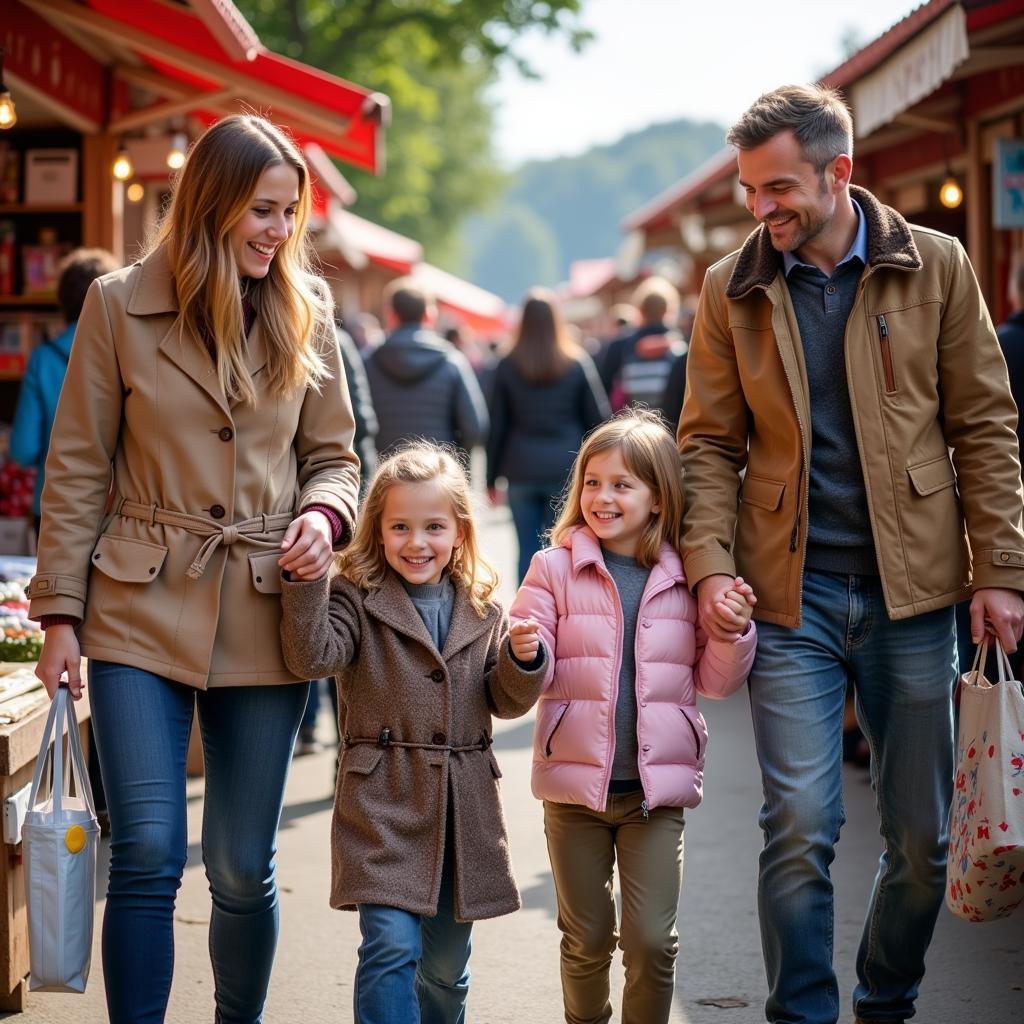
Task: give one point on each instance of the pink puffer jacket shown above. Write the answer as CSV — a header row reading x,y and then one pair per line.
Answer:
x,y
570,593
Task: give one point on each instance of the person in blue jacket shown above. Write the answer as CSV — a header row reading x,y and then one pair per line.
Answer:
x,y
44,375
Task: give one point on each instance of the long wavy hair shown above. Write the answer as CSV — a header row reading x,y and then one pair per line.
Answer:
x,y
209,196
363,562
650,454
543,349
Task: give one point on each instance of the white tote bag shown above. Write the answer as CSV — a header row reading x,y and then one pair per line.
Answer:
x,y
60,836
985,866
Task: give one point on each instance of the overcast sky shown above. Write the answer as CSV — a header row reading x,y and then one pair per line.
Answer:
x,y
654,60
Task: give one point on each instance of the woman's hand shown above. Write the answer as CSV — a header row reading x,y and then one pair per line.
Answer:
x,y
60,654
308,546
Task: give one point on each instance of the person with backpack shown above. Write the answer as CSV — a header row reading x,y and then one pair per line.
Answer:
x,y
44,375
637,366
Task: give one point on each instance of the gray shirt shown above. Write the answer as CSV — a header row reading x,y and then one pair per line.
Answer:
x,y
630,580
434,602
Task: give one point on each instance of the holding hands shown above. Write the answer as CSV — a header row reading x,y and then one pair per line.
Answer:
x,y
726,606
524,639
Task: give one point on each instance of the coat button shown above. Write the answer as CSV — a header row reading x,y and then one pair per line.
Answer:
x,y
225,433
217,511
1005,556
437,675
438,738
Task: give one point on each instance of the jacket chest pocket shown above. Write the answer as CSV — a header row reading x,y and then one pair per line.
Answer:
x,y
900,338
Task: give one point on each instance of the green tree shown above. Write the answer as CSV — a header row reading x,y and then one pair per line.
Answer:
x,y
435,60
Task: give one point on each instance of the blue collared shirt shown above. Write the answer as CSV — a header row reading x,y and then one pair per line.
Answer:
x,y
858,250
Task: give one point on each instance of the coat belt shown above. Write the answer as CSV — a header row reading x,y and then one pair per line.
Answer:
x,y
259,531
385,739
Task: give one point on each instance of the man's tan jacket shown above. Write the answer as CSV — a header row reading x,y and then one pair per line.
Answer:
x,y
934,421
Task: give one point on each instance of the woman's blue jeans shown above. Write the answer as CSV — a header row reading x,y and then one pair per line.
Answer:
x,y
533,513
142,723
413,969
903,674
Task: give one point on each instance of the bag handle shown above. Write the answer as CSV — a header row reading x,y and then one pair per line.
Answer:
x,y
62,711
1004,668
976,676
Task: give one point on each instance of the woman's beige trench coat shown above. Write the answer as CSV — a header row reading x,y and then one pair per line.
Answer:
x,y
195,600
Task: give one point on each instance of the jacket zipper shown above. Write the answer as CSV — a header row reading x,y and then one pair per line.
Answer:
x,y
886,350
558,722
645,598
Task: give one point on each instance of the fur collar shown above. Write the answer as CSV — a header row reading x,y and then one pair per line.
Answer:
x,y
890,243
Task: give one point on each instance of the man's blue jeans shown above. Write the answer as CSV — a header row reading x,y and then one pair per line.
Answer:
x,y
903,674
413,969
142,724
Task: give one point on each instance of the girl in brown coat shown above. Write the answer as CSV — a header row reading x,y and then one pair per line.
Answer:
x,y
424,657
205,396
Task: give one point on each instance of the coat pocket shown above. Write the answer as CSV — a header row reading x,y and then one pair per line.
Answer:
x,y
931,476
554,724
128,560
698,727
761,492
361,759
266,573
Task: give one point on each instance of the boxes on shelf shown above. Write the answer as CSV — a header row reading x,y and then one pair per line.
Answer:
x,y
19,334
51,176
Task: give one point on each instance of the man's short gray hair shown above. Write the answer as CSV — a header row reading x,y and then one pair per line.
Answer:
x,y
816,115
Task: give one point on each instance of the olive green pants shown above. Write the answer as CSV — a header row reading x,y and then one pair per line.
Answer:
x,y
584,846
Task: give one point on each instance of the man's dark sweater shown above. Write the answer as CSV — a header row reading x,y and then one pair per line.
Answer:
x,y
839,535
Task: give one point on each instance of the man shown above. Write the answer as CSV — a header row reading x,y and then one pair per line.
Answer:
x,y
420,384
1011,339
636,366
836,360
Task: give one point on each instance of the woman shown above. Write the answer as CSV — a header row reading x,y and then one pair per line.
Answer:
x,y
205,394
546,396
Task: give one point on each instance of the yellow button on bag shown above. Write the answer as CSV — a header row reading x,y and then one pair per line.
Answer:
x,y
74,839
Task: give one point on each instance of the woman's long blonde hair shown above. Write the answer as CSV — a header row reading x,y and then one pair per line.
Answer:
x,y
209,197
650,454
363,562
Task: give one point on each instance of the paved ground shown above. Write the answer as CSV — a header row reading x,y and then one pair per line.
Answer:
x,y
975,972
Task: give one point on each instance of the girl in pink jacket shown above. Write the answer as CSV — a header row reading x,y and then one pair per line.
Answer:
x,y
619,744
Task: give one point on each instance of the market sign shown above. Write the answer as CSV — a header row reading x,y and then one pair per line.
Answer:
x,y
1008,184
910,74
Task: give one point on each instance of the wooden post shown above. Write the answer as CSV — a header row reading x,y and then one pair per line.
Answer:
x,y
978,210
102,195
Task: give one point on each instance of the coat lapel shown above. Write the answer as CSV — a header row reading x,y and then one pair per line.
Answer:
x,y
390,604
154,296
466,626
255,354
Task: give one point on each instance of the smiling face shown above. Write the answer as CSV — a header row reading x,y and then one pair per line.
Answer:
x,y
616,504
419,531
268,222
785,192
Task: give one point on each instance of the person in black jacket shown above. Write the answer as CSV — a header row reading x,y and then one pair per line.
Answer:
x,y
546,396
422,387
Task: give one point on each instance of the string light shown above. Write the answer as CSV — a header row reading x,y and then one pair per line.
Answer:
x,y
135,192
951,195
122,169
176,157
8,115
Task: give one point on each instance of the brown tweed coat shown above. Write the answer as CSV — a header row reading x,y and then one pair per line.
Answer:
x,y
392,803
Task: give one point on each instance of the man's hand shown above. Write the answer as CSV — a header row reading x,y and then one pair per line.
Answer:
x,y
524,639
60,654
307,544
711,595
1000,612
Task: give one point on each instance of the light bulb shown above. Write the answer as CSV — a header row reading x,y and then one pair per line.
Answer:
x,y
135,192
176,156
122,168
8,115
951,195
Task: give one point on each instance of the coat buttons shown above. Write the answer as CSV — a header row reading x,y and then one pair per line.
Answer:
x,y
225,433
217,511
438,738
437,675
1005,556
